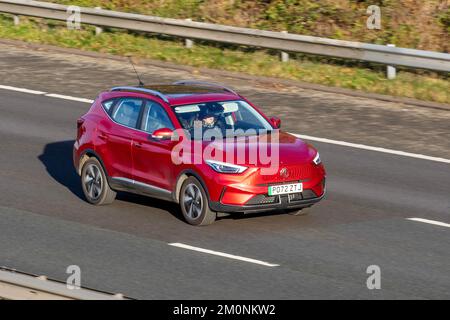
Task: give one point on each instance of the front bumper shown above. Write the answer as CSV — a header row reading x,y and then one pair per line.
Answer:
x,y
284,202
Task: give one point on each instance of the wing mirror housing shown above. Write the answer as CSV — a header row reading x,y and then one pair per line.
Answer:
x,y
162,134
276,122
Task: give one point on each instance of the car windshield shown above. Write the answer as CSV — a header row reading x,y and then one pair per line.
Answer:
x,y
228,118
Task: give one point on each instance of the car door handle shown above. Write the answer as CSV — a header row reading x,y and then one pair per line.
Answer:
x,y
137,145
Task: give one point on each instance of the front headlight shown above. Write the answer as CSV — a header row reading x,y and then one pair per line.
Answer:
x,y
317,159
223,167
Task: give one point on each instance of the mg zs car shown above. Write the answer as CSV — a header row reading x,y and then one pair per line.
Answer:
x,y
197,144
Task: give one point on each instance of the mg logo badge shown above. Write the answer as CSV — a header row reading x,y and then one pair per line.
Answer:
x,y
284,173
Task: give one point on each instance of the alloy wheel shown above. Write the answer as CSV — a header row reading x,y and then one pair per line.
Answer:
x,y
193,201
93,181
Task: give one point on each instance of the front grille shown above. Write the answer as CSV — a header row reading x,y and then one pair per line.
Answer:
x,y
297,172
295,197
278,183
262,199
306,194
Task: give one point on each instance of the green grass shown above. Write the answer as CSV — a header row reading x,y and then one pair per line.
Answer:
x,y
256,62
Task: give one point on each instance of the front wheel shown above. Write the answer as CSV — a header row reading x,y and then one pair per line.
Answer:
x,y
95,184
194,203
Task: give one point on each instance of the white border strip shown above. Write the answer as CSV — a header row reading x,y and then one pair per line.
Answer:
x,y
378,149
60,96
434,222
21,90
221,254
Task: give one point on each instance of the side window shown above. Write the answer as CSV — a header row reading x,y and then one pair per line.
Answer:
x,y
126,111
108,104
155,117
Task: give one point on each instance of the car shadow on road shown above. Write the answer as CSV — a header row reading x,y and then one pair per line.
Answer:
x,y
150,202
57,159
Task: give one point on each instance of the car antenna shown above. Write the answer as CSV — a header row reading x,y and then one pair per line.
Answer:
x,y
141,84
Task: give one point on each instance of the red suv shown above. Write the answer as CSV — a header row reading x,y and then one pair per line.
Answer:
x,y
198,144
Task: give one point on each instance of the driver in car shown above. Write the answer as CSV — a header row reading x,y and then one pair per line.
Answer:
x,y
211,116
208,121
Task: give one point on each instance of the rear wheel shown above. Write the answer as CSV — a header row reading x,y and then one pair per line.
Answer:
x,y
194,203
95,184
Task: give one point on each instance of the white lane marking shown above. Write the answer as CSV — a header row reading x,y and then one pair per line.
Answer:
x,y
324,140
436,223
21,90
378,149
60,96
221,254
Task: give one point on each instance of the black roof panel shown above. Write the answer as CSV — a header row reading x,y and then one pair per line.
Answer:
x,y
168,89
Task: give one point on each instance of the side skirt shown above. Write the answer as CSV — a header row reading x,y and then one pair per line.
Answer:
x,y
133,186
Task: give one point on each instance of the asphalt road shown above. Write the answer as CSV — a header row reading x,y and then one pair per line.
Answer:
x,y
317,113
45,225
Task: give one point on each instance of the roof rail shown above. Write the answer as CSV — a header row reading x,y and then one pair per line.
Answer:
x,y
205,83
143,90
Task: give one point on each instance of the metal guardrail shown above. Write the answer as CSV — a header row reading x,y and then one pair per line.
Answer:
x,y
242,36
15,285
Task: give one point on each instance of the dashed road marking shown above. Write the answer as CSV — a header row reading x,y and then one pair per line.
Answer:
x,y
222,254
434,222
60,96
21,90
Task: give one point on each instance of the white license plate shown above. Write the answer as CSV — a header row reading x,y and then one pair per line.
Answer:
x,y
285,189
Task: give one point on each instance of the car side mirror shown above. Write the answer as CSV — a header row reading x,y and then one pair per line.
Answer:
x,y
162,134
276,122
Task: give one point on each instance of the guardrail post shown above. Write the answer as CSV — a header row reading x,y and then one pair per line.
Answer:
x,y
98,30
16,20
188,43
390,70
284,55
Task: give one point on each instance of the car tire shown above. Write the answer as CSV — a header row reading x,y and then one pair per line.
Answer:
x,y
300,212
95,183
194,203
